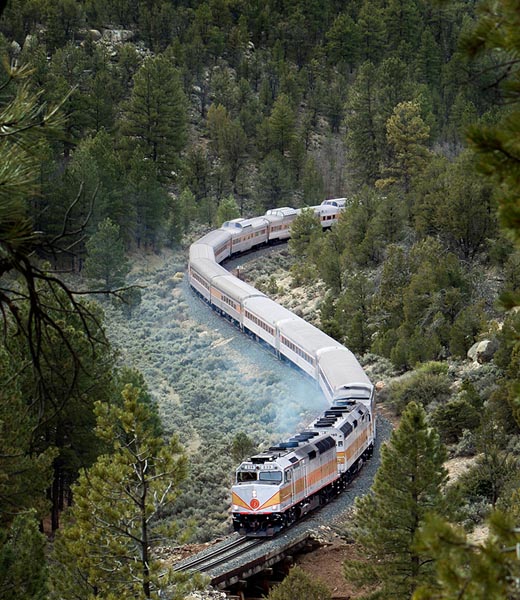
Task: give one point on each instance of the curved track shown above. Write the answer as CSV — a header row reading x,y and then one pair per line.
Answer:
x,y
224,552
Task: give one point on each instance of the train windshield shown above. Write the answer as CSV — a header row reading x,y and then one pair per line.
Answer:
x,y
270,476
245,476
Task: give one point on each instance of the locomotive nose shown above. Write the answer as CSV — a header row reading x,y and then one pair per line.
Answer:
x,y
253,498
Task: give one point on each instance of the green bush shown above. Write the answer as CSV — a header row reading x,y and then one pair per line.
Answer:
x,y
491,474
422,387
463,333
299,586
467,445
452,418
433,367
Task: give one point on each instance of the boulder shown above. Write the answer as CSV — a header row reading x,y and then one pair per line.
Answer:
x,y
15,48
207,595
29,40
472,352
117,36
482,352
83,34
486,350
94,34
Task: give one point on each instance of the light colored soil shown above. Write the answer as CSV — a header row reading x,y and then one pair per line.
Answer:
x,y
457,466
326,564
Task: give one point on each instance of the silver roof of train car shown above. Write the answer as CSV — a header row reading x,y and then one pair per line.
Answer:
x,y
268,309
208,268
201,251
324,209
238,224
339,202
307,336
215,238
284,211
235,288
340,366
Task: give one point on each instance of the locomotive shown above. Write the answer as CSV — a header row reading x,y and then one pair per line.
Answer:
x,y
275,488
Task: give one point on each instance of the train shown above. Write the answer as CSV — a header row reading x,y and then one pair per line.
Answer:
x,y
275,488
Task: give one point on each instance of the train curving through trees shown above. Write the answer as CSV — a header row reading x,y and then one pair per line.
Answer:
x,y
274,488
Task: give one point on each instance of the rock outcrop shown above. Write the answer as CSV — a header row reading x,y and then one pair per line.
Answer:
x,y
482,352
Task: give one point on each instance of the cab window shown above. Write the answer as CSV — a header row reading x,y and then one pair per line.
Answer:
x,y
245,476
270,476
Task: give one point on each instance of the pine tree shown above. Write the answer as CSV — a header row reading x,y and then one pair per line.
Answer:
x,y
496,31
63,18
227,210
312,183
472,571
68,76
328,257
106,261
403,25
23,572
243,447
356,224
365,135
155,116
372,30
105,548
395,276
274,182
229,141
98,171
467,215
343,41
305,229
282,124
148,201
25,472
407,486
353,312
429,59
407,134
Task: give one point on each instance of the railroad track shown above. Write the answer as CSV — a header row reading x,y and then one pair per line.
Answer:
x,y
226,552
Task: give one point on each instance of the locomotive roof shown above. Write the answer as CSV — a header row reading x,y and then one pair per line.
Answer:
x,y
342,419
292,451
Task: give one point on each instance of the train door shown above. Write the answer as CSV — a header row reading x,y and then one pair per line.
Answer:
x,y
305,475
291,476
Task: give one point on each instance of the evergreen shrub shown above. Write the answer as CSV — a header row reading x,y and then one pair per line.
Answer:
x,y
419,386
